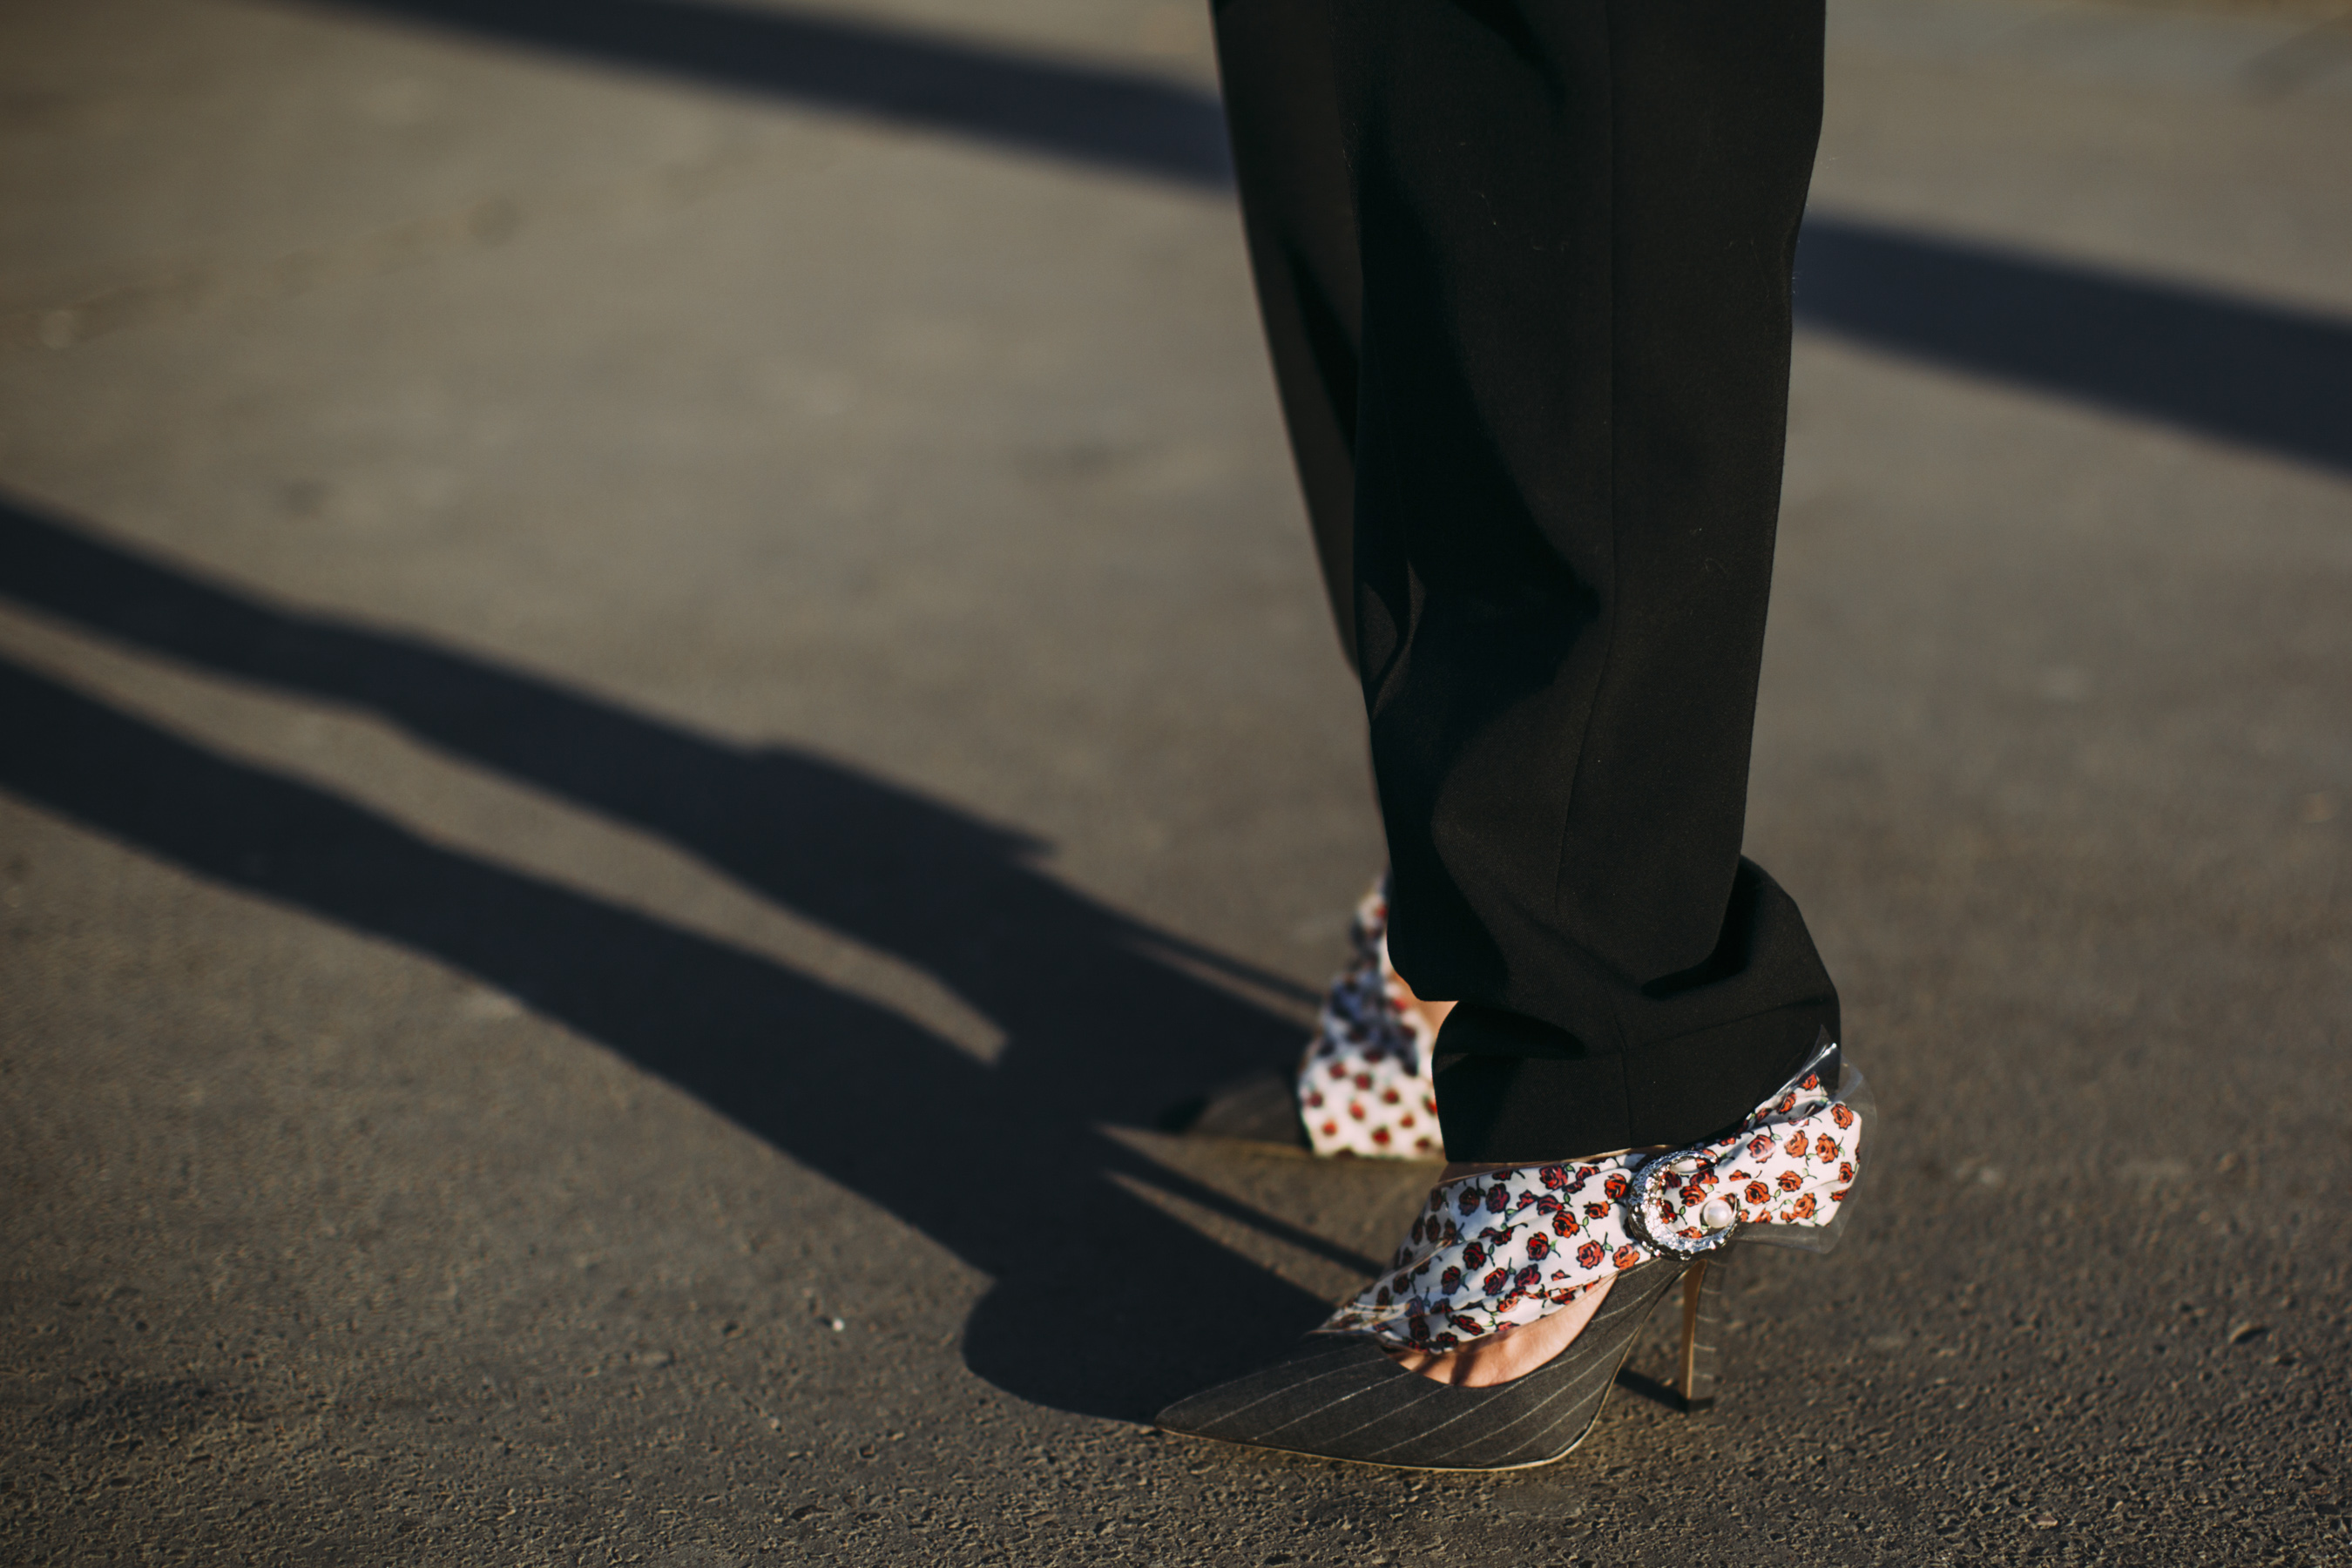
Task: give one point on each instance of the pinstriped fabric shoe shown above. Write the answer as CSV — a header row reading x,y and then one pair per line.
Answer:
x,y
1339,1396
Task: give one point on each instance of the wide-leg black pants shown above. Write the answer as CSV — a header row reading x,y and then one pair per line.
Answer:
x,y
1525,268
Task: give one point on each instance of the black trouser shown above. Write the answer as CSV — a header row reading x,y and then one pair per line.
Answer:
x,y
1525,267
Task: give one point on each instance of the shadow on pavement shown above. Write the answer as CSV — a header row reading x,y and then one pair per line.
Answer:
x,y
1092,113
1088,1313
2268,377
2272,378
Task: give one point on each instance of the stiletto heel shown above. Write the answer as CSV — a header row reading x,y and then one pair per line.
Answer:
x,y
1698,1367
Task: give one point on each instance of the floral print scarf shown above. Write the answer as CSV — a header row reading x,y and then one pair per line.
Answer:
x,y
1508,1247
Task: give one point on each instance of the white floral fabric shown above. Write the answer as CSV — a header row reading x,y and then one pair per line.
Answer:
x,y
1511,1247
1364,1085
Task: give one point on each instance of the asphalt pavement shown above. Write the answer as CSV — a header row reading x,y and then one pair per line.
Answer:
x,y
660,679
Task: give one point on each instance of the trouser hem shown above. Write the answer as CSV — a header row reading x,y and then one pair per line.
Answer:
x,y
1518,1110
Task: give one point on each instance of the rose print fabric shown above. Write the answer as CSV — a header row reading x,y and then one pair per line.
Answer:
x,y
1363,1081
1512,1247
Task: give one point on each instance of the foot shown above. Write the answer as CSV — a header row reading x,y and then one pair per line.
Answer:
x,y
1515,1349
1512,1351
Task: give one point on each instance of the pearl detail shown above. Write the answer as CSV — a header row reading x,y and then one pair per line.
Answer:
x,y
1716,1214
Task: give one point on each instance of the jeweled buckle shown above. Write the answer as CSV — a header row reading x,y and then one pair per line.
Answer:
x,y
1717,1216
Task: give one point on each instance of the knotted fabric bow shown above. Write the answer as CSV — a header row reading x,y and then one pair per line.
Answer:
x,y
1512,1247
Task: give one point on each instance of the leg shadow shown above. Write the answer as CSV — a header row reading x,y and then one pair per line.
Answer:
x,y
1087,113
1104,1018
2266,377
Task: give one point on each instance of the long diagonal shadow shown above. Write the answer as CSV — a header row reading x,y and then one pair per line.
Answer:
x,y
1101,1026
2272,378
1090,113
2269,377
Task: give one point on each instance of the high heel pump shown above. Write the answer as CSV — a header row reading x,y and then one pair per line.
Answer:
x,y
1508,1247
